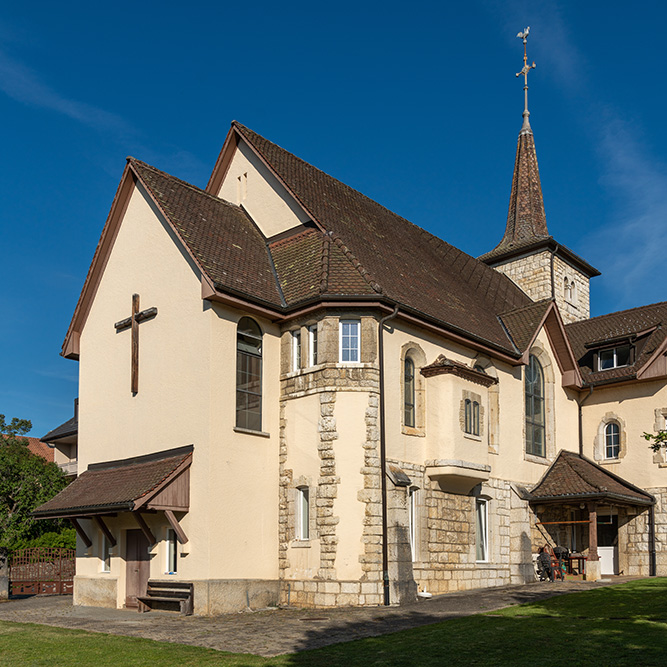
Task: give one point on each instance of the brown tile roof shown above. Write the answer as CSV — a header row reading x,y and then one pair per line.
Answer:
x,y
37,447
522,323
396,258
574,477
115,485
648,324
219,234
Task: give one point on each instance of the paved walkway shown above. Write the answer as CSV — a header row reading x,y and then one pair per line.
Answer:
x,y
276,631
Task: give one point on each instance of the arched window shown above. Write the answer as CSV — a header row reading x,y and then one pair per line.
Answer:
x,y
475,418
612,440
534,395
567,292
467,416
409,392
248,375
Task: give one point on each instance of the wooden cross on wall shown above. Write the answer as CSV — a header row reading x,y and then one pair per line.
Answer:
x,y
134,321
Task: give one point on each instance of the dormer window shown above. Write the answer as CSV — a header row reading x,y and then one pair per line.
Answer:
x,y
614,357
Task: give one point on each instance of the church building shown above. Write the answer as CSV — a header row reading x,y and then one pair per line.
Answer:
x,y
290,395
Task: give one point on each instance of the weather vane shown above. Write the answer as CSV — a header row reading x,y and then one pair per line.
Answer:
x,y
526,68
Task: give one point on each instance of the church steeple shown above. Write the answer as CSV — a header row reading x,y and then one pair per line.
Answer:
x,y
527,253
526,221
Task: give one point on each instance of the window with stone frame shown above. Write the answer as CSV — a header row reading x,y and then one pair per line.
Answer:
x,y
612,440
248,375
302,513
472,414
312,345
296,350
481,530
350,341
409,392
413,520
534,408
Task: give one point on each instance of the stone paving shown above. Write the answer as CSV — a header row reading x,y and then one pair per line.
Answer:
x,y
276,631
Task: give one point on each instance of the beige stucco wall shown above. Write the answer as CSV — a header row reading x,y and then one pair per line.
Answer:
x,y
249,182
443,435
187,365
633,407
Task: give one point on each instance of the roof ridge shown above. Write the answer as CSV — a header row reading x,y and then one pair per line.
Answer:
x,y
619,312
365,273
135,161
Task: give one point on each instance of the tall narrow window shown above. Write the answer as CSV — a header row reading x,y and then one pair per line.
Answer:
x,y
534,395
248,375
349,340
482,530
303,513
296,350
475,418
468,416
412,521
409,392
106,554
172,552
612,440
312,345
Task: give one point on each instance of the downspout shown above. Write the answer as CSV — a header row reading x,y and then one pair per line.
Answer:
x,y
553,286
651,541
581,421
383,458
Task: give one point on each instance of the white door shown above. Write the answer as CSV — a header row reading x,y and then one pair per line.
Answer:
x,y
608,560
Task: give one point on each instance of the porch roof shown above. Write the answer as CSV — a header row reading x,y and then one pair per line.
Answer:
x,y
126,485
572,477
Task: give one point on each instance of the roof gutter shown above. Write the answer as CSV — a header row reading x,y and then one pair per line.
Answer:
x,y
383,458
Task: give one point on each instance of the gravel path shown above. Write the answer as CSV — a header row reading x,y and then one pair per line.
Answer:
x,y
275,631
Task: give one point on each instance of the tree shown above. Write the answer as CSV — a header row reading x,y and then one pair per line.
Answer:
x,y
658,440
26,481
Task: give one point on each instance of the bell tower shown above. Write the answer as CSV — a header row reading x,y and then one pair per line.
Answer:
x,y
527,253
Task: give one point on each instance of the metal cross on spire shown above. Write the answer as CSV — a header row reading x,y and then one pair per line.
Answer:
x,y
526,68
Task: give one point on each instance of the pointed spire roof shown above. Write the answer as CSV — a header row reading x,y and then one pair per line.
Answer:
x,y
526,221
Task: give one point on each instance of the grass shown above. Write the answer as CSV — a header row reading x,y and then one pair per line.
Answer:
x,y
619,625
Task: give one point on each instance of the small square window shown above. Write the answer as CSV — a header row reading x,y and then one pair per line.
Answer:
x,y
614,357
349,341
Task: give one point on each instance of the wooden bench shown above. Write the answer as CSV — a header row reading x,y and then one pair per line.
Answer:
x,y
168,594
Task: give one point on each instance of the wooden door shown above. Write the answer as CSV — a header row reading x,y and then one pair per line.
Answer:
x,y
137,566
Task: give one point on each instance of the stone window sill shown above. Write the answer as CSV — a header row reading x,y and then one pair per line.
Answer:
x,y
247,431
606,462
413,430
533,458
300,544
471,436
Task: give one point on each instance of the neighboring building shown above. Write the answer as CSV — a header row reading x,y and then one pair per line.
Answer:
x,y
63,443
326,397
39,448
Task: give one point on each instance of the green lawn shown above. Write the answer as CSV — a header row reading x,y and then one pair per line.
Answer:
x,y
619,625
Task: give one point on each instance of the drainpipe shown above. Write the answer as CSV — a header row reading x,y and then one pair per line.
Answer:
x,y
553,286
383,459
581,423
651,541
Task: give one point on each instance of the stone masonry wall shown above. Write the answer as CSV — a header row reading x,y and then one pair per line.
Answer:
x,y
532,274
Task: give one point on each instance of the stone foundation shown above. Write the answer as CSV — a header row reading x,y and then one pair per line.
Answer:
x,y
222,596
330,593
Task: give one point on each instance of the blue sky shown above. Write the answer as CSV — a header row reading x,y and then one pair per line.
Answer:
x,y
415,105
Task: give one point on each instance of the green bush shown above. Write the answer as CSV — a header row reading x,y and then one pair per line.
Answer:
x,y
65,539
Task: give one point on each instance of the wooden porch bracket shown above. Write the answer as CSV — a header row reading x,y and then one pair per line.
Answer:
x,y
173,522
144,528
105,529
81,533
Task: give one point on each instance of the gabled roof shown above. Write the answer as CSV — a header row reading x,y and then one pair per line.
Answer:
x,y
117,486
523,323
354,249
572,477
645,327
398,260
